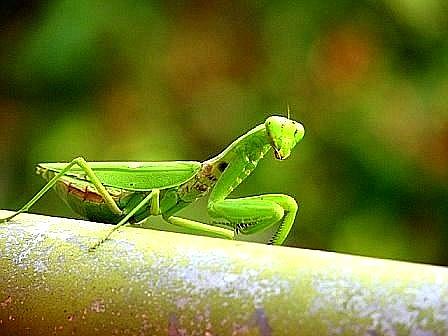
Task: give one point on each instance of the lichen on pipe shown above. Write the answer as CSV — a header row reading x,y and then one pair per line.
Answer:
x,y
147,282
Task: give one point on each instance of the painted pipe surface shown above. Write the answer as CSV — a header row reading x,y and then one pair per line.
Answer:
x,y
147,282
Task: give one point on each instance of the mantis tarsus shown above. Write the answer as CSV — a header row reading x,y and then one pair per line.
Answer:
x,y
129,192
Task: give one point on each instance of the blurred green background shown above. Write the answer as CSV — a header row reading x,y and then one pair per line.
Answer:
x,y
169,80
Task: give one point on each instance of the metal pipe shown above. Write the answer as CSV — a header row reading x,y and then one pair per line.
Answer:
x,y
147,282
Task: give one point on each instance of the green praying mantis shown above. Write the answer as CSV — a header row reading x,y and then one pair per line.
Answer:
x,y
130,192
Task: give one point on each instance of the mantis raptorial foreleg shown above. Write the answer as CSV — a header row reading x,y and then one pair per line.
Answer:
x,y
89,172
253,214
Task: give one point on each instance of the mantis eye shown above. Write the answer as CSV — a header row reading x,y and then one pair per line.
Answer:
x,y
299,132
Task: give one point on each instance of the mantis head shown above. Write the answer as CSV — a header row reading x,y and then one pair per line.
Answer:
x,y
283,134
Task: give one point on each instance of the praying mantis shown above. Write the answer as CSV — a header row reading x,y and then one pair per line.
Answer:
x,y
130,192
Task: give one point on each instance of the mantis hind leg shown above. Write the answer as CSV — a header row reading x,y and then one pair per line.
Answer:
x,y
89,172
252,214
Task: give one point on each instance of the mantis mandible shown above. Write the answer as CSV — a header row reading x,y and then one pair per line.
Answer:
x,y
130,192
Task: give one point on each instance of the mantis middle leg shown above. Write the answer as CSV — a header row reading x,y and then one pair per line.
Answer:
x,y
201,227
153,197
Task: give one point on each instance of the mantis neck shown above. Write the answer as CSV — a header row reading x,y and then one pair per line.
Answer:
x,y
237,161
